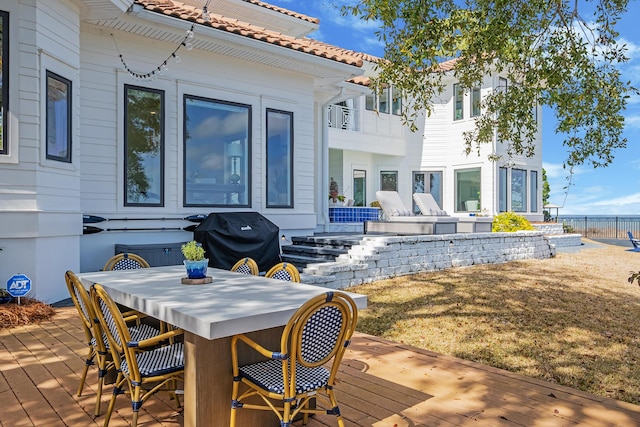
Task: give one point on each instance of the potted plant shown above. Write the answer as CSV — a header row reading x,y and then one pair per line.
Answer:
x,y
195,262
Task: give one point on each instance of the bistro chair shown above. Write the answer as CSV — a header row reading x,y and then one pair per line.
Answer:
x,y
284,271
246,266
304,367
125,261
98,346
142,372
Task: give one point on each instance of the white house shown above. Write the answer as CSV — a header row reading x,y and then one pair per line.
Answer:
x,y
146,112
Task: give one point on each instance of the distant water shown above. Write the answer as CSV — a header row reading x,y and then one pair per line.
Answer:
x,y
607,217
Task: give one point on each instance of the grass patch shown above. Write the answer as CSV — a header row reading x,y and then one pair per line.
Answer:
x,y
572,320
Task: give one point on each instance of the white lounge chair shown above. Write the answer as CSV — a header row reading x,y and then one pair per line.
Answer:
x,y
466,224
400,220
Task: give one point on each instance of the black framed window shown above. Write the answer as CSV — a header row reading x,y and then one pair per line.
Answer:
x,y
458,105
475,101
389,180
533,191
143,146
58,120
4,82
279,159
217,153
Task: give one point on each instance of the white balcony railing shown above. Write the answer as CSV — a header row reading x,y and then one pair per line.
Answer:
x,y
345,118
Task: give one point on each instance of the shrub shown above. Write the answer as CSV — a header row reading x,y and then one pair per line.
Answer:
x,y
510,222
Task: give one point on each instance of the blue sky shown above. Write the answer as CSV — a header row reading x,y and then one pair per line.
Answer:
x,y
614,190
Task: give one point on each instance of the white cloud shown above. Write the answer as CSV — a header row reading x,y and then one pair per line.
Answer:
x,y
553,170
632,122
633,49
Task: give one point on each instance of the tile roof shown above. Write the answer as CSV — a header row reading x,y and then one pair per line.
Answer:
x,y
185,12
284,11
360,80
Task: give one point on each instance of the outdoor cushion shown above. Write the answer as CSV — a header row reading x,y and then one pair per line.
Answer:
x,y
391,204
427,204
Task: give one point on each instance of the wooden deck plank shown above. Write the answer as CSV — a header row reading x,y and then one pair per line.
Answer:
x,y
381,384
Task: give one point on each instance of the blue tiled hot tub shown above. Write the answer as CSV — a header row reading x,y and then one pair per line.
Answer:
x,y
354,214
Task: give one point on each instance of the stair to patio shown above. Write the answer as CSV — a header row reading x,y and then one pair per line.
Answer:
x,y
306,250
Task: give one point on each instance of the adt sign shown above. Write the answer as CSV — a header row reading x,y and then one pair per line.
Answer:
x,y
19,285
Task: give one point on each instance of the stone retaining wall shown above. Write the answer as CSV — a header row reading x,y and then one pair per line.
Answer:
x,y
549,228
565,240
383,257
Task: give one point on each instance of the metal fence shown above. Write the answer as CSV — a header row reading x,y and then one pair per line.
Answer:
x,y
592,227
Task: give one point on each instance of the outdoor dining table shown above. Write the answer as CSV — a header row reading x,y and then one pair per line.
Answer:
x,y
210,315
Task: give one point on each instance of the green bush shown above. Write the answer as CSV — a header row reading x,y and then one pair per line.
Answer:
x,y
510,222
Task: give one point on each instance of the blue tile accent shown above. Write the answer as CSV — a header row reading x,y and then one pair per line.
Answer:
x,y
353,214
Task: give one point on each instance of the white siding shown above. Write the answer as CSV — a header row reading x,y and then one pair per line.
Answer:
x,y
202,74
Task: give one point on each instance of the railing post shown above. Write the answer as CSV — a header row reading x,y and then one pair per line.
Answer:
x,y
585,226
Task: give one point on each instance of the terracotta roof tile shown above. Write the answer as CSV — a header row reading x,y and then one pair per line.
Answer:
x,y
284,11
360,80
223,23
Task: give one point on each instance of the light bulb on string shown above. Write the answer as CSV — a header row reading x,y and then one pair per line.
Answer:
x,y
186,42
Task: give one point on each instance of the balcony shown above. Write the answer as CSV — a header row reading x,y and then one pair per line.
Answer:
x,y
345,118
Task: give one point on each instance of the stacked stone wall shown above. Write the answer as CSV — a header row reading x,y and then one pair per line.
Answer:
x,y
384,257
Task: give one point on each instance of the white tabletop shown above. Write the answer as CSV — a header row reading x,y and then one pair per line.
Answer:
x,y
233,303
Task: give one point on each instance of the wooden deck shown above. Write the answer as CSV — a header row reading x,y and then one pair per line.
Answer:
x,y
382,384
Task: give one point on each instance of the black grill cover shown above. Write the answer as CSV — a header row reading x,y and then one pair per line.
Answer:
x,y
230,236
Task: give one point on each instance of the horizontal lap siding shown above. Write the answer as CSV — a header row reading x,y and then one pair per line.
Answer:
x,y
199,73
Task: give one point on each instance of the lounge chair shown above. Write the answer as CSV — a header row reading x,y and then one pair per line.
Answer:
x,y
400,220
635,242
466,224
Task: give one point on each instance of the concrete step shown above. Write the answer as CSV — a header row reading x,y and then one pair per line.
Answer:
x,y
301,262
327,252
342,242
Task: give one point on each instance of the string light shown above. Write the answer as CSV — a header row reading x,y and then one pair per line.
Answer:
x,y
187,43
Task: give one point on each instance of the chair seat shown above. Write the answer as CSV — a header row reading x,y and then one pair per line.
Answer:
x,y
160,361
268,375
138,333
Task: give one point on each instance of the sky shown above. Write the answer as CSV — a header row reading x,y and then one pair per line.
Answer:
x,y
614,190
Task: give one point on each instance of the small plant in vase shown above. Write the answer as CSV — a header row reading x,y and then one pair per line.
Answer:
x,y
195,262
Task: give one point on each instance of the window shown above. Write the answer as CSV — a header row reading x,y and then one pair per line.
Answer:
x,y
4,82
58,120
502,197
143,146
475,102
467,188
383,105
371,101
389,180
279,159
217,152
502,84
396,102
533,191
458,96
389,98
513,190
518,190
359,187
427,182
